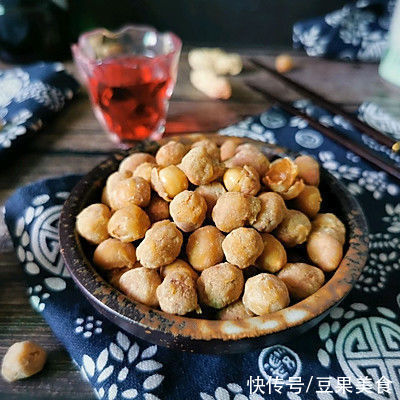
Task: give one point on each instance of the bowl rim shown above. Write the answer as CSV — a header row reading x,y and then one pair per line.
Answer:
x,y
106,296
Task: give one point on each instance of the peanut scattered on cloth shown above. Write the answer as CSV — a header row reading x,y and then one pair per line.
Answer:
x,y
209,69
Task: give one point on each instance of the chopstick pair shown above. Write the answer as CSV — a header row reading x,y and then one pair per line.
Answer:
x,y
330,132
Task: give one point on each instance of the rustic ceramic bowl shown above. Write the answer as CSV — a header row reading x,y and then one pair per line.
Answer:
x,y
202,335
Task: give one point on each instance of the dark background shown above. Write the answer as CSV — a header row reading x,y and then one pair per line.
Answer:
x,y
44,29
228,23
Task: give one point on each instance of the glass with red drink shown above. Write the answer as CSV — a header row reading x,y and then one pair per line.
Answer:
x,y
130,75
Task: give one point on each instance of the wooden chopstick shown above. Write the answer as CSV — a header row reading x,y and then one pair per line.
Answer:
x,y
328,105
331,133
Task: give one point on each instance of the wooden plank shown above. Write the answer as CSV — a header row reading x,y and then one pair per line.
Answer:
x,y
77,131
35,166
342,82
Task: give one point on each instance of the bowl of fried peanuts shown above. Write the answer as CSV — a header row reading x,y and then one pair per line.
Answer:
x,y
213,244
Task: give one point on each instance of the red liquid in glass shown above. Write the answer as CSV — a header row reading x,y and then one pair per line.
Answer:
x,y
131,93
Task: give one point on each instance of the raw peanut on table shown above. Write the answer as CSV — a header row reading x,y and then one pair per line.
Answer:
x,y
22,360
213,86
284,63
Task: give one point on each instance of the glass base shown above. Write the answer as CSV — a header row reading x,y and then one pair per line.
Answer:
x,y
126,143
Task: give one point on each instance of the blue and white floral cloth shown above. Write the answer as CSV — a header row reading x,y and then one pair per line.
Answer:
x,y
353,354
358,31
384,117
29,96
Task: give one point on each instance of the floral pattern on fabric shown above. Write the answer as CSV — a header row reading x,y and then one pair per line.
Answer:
x,y
29,96
358,31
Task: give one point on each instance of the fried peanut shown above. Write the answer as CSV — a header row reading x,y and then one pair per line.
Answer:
x,y
92,221
112,253
144,171
234,209
308,201
220,285
308,170
294,229
302,280
330,224
228,148
128,224
324,250
272,211
204,247
281,175
211,193
249,155
134,190
188,210
140,284
168,181
235,311
130,163
242,179
242,247
161,245
158,209
178,266
264,294
177,294
273,257
171,153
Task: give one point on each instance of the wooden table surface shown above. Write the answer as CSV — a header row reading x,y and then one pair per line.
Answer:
x,y
74,143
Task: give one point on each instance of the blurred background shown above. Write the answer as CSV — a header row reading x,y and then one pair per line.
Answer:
x,y
44,29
